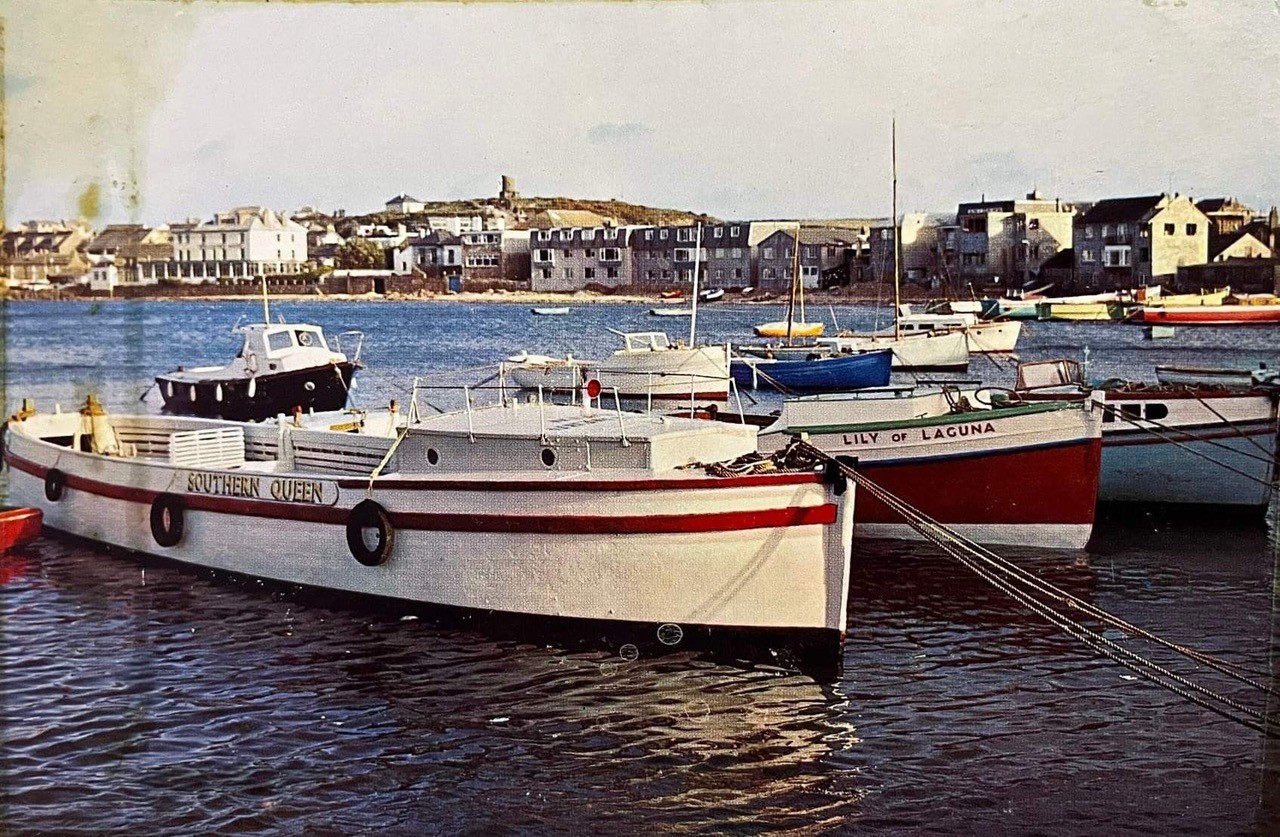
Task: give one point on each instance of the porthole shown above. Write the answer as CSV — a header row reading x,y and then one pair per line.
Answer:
x,y
433,456
548,457
1155,412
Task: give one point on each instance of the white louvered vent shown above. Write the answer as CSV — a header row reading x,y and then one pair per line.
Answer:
x,y
221,447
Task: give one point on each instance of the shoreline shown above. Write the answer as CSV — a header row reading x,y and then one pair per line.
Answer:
x,y
531,298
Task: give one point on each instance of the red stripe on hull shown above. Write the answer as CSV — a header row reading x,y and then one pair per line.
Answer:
x,y
18,527
1042,485
447,522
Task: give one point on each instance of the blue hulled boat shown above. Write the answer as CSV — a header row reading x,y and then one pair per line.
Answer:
x,y
833,373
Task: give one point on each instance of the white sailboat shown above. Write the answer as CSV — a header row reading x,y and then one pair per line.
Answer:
x,y
948,350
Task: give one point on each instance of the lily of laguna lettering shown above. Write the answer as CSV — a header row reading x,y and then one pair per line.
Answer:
x,y
868,438
250,486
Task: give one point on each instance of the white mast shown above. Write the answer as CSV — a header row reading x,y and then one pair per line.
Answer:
x,y
266,306
897,267
693,316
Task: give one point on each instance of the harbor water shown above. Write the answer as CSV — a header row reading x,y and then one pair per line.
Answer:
x,y
138,696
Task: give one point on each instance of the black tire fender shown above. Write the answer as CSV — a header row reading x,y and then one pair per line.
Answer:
x,y
55,484
368,514
167,519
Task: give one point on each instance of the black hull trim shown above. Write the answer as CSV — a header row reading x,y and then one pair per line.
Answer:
x,y
815,652
318,388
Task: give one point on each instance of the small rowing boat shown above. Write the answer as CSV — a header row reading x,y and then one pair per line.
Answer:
x,y
18,527
550,312
819,373
780,329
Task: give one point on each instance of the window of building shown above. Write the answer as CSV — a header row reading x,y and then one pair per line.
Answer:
x,y
666,274
611,233
809,270
684,254
719,251
1086,256
1191,229
568,254
1088,232
768,273
611,272
719,273
649,274
591,254
589,273
767,253
737,273
482,261
611,254
568,272
648,235
544,235
1033,223
565,235
1169,229
662,234
736,253
684,234
719,232
733,231
1122,229
589,235
546,273
1106,230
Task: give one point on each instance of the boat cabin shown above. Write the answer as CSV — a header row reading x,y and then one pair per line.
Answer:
x,y
646,341
269,348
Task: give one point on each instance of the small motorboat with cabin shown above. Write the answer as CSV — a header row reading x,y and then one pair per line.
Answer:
x,y
279,366
1183,445
647,365
995,471
563,512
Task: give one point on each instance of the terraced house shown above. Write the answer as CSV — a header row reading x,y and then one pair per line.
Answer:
x,y
1127,242
40,252
573,258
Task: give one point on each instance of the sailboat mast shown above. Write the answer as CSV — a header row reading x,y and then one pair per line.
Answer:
x,y
791,297
693,315
897,264
266,306
795,269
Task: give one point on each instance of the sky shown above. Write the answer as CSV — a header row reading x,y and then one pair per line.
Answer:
x,y
125,110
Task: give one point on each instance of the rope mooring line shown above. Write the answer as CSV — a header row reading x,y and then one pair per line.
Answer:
x,y
1006,576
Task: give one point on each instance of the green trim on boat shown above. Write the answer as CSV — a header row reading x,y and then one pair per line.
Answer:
x,y
930,421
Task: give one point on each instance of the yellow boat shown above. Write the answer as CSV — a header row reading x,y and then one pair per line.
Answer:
x,y
1217,297
779,329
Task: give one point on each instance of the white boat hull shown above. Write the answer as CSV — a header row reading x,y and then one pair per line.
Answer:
x,y
942,351
702,372
766,553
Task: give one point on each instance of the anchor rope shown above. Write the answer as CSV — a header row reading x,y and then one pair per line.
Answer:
x,y
1005,577
1252,441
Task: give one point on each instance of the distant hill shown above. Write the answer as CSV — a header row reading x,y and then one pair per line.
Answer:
x,y
524,207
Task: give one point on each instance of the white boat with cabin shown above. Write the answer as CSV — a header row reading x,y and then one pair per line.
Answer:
x,y
647,365
519,508
983,337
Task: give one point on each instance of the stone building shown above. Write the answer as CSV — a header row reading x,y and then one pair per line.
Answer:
x,y
1006,242
918,254
727,255
129,254
1130,242
436,255
574,258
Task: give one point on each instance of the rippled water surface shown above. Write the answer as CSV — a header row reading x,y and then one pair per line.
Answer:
x,y
143,697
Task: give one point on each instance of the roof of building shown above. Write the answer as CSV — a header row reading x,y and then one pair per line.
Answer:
x,y
251,217
116,236
1218,244
552,218
402,198
1207,205
1112,210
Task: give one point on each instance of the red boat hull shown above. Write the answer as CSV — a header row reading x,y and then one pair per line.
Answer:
x,y
19,527
1213,315
1052,489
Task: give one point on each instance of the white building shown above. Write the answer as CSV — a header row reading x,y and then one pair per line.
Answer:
x,y
242,243
405,205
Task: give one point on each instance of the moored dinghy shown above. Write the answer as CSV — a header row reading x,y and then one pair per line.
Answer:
x,y
531,509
